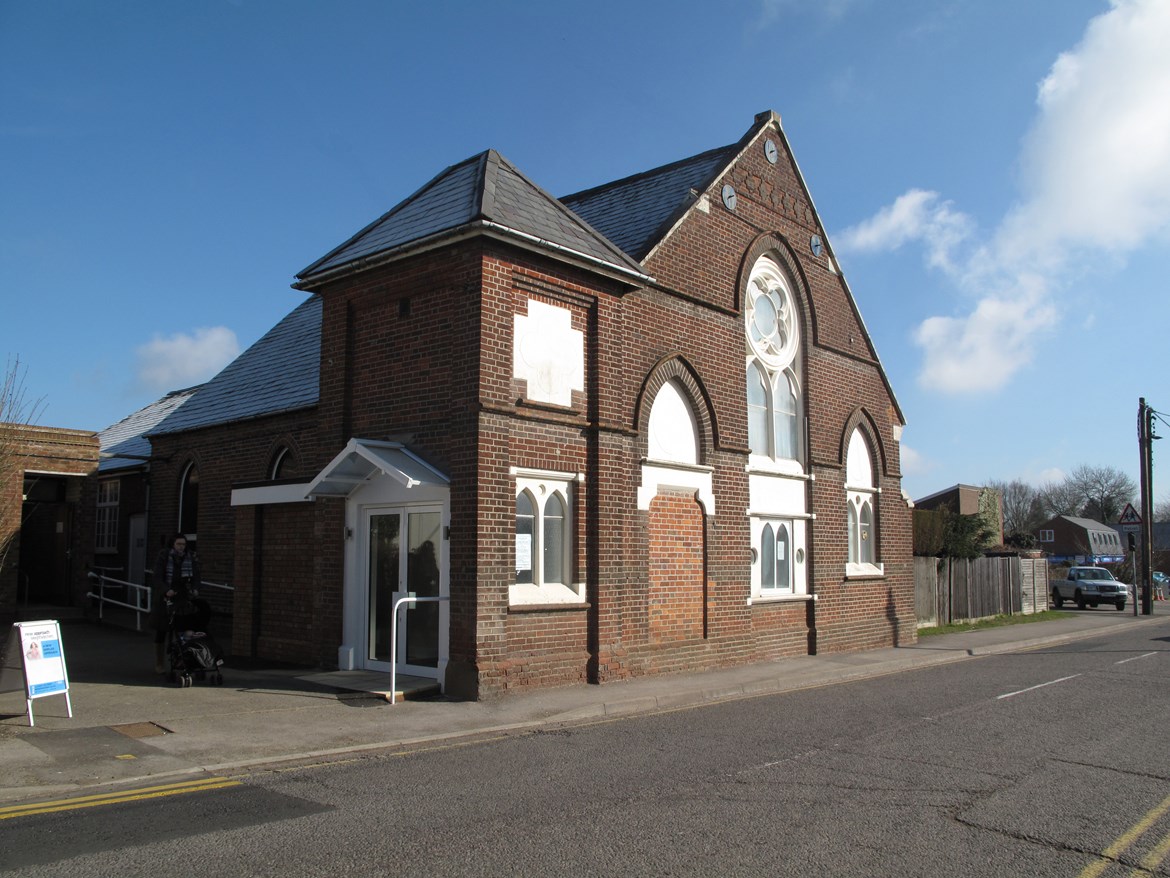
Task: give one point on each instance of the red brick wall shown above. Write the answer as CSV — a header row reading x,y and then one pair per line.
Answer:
x,y
677,552
420,350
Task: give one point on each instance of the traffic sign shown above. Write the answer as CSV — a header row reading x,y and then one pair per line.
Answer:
x,y
1129,515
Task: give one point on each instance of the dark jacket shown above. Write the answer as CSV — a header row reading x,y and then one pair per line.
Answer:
x,y
182,576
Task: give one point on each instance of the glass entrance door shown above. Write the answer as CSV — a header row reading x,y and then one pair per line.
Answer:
x,y
404,561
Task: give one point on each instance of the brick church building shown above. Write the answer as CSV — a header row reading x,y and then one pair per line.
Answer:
x,y
637,429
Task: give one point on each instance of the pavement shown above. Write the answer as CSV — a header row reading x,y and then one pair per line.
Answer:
x,y
130,728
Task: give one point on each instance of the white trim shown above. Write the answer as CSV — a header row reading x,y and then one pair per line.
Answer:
x,y
263,495
779,598
864,571
549,474
772,515
656,476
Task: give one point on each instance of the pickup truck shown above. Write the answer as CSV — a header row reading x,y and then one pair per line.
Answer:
x,y
1089,586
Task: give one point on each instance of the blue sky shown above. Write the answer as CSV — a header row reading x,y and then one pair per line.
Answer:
x,y
994,176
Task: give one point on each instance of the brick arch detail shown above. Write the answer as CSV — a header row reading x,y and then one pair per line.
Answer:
x,y
675,367
775,246
859,417
284,440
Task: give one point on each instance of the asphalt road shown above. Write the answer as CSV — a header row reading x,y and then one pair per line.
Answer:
x,y
1045,763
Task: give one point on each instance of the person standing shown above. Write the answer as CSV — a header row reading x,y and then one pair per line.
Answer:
x,y
176,578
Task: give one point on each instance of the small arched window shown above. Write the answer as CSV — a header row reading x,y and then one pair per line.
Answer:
x,y
282,464
189,503
861,502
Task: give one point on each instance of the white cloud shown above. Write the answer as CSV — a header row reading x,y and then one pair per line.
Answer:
x,y
917,215
185,359
1096,163
1095,180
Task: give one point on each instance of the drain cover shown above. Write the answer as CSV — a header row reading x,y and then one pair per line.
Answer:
x,y
141,730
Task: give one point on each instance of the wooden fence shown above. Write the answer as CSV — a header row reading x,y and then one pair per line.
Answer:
x,y
950,590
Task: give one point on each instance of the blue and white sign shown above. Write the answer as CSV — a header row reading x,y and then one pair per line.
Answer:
x,y
43,657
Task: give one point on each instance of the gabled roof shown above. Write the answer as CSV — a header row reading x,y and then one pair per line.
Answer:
x,y
124,444
636,212
1083,523
485,192
279,373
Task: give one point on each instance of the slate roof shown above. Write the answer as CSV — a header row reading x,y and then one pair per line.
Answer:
x,y
484,190
128,436
279,373
636,212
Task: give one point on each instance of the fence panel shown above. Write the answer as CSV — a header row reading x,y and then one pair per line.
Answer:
x,y
954,590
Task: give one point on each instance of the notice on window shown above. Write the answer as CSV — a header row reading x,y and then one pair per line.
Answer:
x,y
44,658
523,551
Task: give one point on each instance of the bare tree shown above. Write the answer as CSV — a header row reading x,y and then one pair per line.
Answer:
x,y
16,412
1061,498
1162,510
1023,511
1105,491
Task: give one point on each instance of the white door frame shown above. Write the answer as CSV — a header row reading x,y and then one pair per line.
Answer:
x,y
383,494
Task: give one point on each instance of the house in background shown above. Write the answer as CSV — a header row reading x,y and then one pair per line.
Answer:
x,y
1071,540
970,500
638,429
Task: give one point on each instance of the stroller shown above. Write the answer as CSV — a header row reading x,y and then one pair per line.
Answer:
x,y
193,653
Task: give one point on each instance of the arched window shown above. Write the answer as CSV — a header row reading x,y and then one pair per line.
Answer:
x,y
189,503
776,558
673,429
772,333
553,543
282,464
861,502
525,531
544,558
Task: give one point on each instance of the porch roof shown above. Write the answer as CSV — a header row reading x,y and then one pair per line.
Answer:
x,y
363,459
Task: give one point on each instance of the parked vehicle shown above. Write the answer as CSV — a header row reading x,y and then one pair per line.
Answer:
x,y
1089,586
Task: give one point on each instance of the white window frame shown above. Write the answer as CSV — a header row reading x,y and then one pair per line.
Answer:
x,y
796,528
859,495
540,486
106,525
1047,536
774,358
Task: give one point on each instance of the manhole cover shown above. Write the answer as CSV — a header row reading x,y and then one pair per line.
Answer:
x,y
141,730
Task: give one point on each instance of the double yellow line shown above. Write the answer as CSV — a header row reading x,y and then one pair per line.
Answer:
x,y
172,789
1150,862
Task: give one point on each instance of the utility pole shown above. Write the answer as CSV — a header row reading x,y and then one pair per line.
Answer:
x,y
1146,439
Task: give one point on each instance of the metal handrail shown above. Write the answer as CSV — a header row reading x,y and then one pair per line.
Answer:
x,y
409,599
142,598
142,595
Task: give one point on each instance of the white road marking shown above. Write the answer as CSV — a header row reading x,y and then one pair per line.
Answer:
x,y
1039,686
1135,658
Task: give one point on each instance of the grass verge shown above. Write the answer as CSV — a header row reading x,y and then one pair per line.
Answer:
x,y
994,622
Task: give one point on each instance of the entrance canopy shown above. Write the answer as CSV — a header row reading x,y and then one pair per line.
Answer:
x,y
365,459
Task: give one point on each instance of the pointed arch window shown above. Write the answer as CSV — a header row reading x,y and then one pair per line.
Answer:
x,y
189,503
544,564
773,379
861,508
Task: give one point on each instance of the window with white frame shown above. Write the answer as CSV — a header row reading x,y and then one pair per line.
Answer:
x,y
109,495
778,561
1047,536
544,568
773,379
861,512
